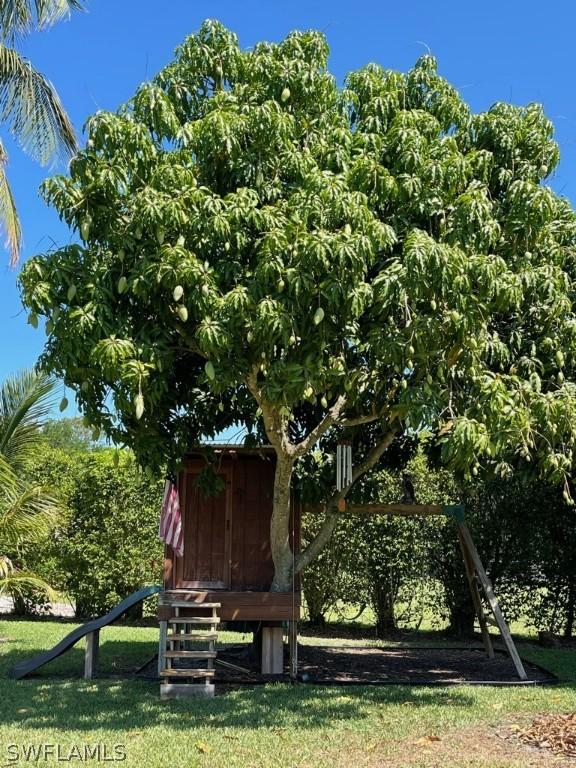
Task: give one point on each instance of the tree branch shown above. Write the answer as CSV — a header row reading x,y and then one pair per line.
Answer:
x,y
322,427
373,458
274,425
329,524
357,421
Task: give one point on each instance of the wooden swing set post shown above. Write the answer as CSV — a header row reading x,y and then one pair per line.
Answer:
x,y
492,601
476,599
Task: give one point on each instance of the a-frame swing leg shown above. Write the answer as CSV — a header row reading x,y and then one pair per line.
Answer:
x,y
471,556
476,599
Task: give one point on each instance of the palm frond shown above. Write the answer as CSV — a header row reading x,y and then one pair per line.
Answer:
x,y
28,514
18,17
6,566
15,583
9,219
25,400
32,109
8,478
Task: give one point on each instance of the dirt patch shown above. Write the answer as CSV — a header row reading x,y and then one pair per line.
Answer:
x,y
409,664
347,664
480,746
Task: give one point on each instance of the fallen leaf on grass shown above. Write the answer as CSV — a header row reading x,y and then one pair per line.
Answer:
x,y
554,732
428,739
23,709
231,738
201,746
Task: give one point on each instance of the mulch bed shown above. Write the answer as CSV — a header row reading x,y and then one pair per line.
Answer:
x,y
556,733
353,664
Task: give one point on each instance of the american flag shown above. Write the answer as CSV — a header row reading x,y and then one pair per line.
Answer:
x,y
170,520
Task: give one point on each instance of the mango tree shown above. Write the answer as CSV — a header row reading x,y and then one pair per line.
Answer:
x,y
259,245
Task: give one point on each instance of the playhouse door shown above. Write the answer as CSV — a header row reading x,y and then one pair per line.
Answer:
x,y
206,522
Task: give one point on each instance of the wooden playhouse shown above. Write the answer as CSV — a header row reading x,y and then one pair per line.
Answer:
x,y
225,572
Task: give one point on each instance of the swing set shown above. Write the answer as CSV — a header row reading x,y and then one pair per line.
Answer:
x,y
478,581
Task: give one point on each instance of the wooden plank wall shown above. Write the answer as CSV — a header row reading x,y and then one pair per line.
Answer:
x,y
204,534
252,490
227,537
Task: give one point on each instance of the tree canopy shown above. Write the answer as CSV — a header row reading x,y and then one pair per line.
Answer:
x,y
259,245
68,435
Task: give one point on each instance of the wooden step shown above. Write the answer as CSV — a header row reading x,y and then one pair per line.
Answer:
x,y
190,604
190,654
200,672
194,620
201,636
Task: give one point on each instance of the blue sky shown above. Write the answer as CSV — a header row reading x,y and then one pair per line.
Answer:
x,y
491,51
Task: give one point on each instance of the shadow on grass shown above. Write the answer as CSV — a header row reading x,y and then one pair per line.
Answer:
x,y
45,700
84,706
48,701
117,657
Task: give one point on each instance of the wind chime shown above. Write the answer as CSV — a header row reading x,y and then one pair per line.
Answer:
x,y
343,465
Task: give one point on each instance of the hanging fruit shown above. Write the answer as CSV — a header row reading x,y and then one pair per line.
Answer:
x,y
139,405
85,228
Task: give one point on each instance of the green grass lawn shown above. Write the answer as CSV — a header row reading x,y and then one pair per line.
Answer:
x,y
273,725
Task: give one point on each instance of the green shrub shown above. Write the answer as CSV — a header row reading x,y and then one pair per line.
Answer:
x,y
107,546
112,546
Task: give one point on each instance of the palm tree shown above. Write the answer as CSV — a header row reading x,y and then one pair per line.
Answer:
x,y
27,511
29,104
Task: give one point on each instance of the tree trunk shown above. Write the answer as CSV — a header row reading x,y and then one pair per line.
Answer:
x,y
317,598
282,554
317,619
462,617
383,601
20,607
570,608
